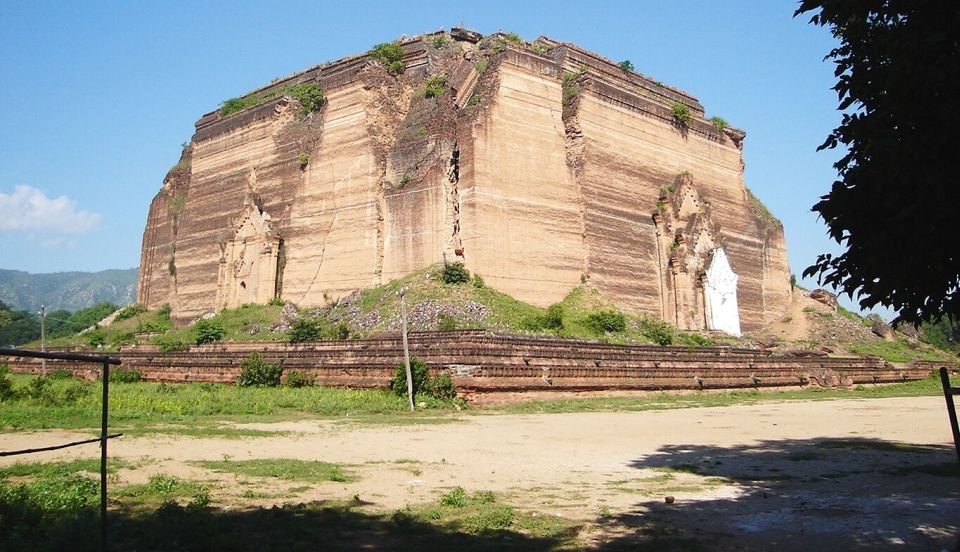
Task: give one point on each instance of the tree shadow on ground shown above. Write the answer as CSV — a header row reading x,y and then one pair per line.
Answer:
x,y
835,494
300,527
832,494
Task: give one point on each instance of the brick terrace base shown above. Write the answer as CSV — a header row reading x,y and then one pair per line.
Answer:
x,y
482,362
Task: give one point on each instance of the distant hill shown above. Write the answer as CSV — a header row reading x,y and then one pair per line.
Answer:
x,y
67,290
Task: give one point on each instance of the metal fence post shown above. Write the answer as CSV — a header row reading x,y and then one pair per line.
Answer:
x,y
948,393
105,409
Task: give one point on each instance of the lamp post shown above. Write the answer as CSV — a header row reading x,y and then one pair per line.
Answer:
x,y
406,348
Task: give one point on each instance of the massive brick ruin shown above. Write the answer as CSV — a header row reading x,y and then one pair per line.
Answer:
x,y
541,166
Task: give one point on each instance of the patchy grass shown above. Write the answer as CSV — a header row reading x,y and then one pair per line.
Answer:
x,y
667,401
58,469
167,407
282,468
899,351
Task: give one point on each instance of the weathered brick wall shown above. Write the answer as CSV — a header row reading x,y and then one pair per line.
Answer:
x,y
480,362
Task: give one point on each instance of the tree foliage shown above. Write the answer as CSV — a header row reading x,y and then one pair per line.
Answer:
x,y
892,207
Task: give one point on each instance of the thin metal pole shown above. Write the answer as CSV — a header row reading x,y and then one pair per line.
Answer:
x,y
406,349
948,393
103,456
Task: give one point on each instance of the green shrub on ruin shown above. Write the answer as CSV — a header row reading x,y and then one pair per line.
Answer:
x,y
681,113
719,122
553,318
390,54
305,329
435,86
626,65
209,331
419,372
455,273
657,331
170,343
309,95
256,372
438,387
130,312
439,41
514,37
604,321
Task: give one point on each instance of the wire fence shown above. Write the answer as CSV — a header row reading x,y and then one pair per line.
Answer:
x,y
105,362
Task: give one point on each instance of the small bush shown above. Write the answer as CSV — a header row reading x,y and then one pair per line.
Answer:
x,y
299,379
553,319
6,386
420,373
513,37
455,273
169,344
131,311
150,327
309,95
276,302
626,65
692,340
439,41
681,114
657,330
719,122
256,372
441,387
606,321
96,338
305,329
340,331
304,160
478,282
124,376
209,331
435,86
163,313
391,55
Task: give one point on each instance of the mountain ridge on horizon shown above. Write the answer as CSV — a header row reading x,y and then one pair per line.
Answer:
x,y
68,290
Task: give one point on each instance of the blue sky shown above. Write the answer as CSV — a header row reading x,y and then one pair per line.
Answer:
x,y
99,96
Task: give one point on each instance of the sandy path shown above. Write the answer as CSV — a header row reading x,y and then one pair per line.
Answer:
x,y
579,464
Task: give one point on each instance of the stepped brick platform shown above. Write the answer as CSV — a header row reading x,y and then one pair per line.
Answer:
x,y
482,362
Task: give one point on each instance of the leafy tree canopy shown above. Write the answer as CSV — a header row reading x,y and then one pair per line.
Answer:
x,y
893,205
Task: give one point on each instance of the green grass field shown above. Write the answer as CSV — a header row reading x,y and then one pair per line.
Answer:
x,y
201,409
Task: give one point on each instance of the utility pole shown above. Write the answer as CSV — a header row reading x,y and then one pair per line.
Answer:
x,y
406,348
43,341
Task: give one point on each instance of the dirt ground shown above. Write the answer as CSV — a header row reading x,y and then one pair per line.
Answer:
x,y
843,474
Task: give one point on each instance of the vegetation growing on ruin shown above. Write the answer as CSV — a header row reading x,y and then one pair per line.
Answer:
x,y
435,86
626,65
308,94
390,54
514,37
570,88
719,122
762,212
439,41
681,114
